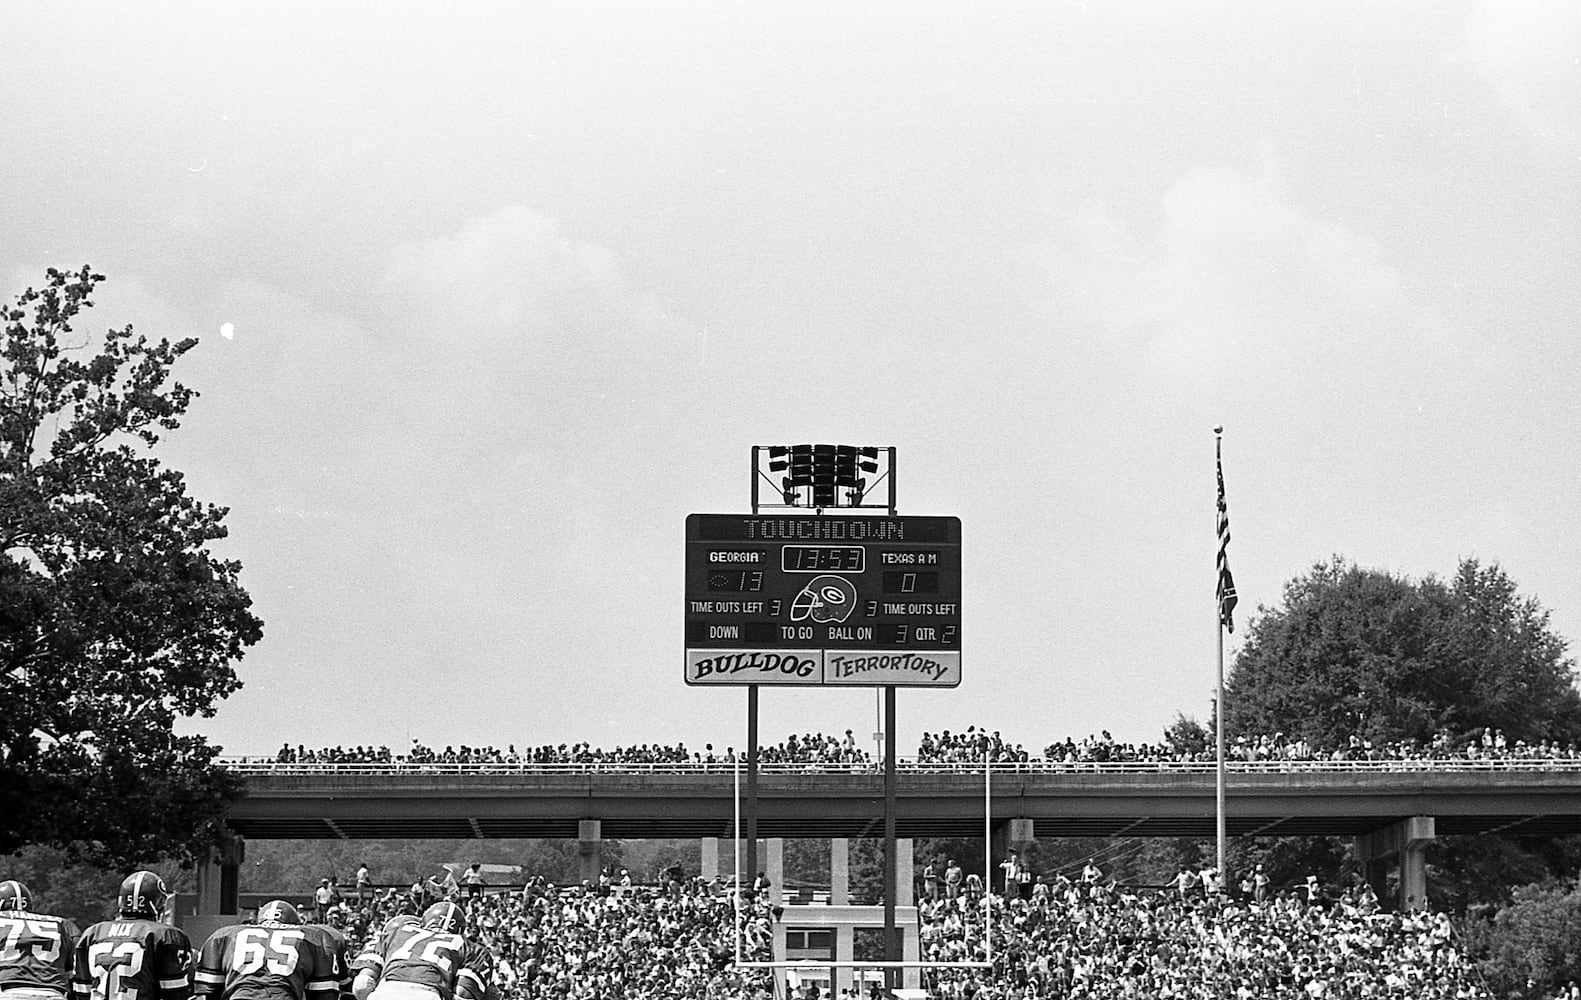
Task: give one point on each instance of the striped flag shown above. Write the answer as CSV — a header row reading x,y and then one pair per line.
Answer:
x,y
1226,588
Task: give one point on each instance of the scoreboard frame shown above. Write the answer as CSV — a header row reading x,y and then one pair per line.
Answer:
x,y
823,600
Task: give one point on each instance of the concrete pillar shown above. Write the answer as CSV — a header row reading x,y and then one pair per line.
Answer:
x,y
219,880
910,951
905,872
844,951
776,872
1012,835
1402,845
839,872
208,887
781,976
1413,876
710,857
589,849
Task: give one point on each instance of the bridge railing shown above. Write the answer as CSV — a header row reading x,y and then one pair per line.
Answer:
x,y
271,766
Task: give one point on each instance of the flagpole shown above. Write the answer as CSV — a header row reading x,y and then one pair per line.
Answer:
x,y
1218,691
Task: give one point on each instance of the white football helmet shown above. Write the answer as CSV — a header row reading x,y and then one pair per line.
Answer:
x,y
826,598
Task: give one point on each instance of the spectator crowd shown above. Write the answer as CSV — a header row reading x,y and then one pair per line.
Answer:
x,y
1488,744
674,940
826,752
1088,938
1081,937
814,749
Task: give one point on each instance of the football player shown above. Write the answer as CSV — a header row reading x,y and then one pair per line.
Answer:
x,y
134,956
275,958
35,948
429,960
371,958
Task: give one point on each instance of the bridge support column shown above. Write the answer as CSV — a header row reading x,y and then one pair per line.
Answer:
x,y
905,872
1402,846
1010,837
719,861
589,849
1016,834
210,875
774,847
218,891
839,872
710,861
219,879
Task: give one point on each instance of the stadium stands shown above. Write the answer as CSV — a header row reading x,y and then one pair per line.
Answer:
x,y
1081,939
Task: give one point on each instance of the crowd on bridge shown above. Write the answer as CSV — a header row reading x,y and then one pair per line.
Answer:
x,y
1486,744
813,749
945,749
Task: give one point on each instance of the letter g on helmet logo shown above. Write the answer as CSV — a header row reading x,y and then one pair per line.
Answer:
x,y
825,599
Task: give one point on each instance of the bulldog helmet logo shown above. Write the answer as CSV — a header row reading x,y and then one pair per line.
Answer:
x,y
825,599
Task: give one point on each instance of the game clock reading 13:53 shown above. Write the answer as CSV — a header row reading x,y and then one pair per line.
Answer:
x,y
823,600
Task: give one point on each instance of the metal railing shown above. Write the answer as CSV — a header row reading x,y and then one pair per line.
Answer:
x,y
1438,765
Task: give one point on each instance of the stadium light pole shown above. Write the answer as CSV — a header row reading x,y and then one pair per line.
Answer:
x,y
815,477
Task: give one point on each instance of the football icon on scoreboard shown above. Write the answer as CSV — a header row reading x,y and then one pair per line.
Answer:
x,y
825,599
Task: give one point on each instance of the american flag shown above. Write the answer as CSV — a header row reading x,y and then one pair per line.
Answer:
x,y
1226,589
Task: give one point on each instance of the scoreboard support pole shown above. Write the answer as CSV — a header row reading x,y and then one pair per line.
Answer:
x,y
749,877
892,942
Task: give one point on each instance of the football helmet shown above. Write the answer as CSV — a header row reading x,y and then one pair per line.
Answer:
x,y
395,923
447,917
278,911
15,896
143,896
826,598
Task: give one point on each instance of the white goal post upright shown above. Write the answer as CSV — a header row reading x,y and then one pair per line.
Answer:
x,y
813,964
988,856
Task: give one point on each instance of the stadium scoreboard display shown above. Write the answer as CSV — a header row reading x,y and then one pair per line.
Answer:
x,y
823,600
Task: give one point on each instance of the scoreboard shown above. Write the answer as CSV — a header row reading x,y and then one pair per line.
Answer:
x,y
823,600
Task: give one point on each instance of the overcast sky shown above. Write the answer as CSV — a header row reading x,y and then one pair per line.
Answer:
x,y
512,289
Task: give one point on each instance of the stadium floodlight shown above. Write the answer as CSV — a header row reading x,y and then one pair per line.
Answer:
x,y
823,476
847,469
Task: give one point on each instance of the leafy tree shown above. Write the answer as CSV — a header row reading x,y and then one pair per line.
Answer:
x,y
115,619
1188,737
84,892
1532,946
1365,653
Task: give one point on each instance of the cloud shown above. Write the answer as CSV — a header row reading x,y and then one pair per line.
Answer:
x,y
1529,52
1231,267
510,282
527,359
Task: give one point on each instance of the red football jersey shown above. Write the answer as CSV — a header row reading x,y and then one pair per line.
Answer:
x,y
449,963
36,951
132,960
272,962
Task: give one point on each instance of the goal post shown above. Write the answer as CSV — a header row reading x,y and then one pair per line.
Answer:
x,y
814,964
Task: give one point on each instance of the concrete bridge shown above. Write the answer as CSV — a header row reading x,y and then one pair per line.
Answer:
x,y
1517,797
1389,809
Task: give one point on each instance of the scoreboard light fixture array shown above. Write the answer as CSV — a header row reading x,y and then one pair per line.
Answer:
x,y
820,475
